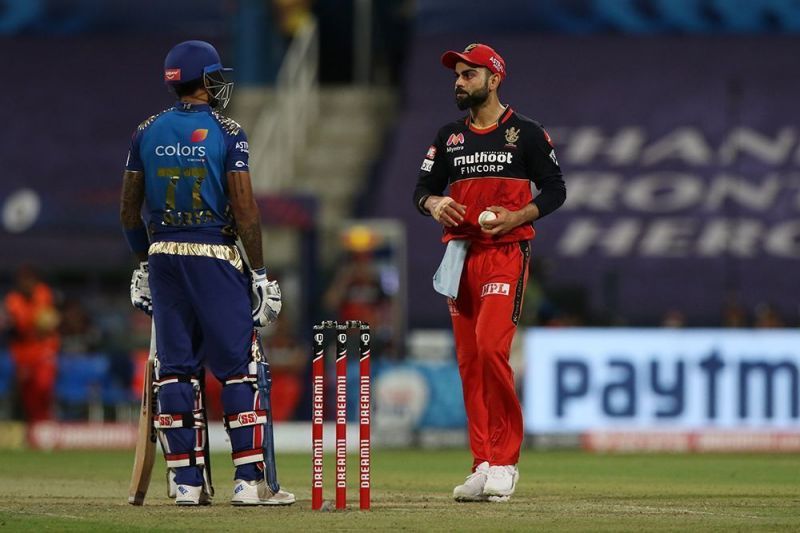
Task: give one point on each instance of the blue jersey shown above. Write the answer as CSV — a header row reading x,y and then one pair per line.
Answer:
x,y
184,153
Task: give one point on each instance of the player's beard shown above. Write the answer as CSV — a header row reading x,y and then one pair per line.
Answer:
x,y
476,98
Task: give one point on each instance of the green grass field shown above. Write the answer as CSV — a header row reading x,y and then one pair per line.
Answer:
x,y
558,491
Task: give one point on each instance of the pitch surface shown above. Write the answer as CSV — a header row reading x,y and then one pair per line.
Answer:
x,y
558,491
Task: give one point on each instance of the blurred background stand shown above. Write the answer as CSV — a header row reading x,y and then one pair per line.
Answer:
x,y
674,124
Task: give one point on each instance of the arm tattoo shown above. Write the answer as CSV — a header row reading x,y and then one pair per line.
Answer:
x,y
130,212
248,219
251,240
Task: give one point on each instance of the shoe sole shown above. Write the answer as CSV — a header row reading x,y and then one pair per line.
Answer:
x,y
279,504
498,499
262,502
470,499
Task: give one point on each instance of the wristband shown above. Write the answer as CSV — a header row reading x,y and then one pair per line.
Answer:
x,y
421,205
137,238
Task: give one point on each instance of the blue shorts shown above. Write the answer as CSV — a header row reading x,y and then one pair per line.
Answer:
x,y
201,308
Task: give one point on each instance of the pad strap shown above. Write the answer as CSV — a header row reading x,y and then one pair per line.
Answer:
x,y
193,419
241,378
176,378
193,458
245,418
250,377
256,455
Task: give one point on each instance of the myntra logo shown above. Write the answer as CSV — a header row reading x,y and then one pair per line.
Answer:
x,y
455,139
199,135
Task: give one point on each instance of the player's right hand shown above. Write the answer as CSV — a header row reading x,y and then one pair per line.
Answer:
x,y
445,210
266,298
140,289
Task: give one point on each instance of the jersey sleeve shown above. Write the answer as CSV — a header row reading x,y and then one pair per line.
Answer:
x,y
543,169
238,153
134,161
433,177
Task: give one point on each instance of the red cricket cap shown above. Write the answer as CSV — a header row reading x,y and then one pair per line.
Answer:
x,y
479,55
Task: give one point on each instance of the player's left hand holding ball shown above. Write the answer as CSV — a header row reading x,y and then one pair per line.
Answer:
x,y
504,222
140,289
266,298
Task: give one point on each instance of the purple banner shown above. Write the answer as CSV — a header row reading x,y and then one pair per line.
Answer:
x,y
681,158
70,111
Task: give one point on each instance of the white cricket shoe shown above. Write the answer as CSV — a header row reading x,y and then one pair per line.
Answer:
x,y
472,489
189,495
281,497
501,483
257,493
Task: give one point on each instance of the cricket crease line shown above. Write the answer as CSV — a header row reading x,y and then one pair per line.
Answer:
x,y
55,515
673,510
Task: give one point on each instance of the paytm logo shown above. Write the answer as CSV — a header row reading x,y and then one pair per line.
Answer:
x,y
583,380
666,382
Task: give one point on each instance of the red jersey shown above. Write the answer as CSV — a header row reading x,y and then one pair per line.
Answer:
x,y
492,166
29,344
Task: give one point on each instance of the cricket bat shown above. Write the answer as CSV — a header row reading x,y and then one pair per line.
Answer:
x,y
146,437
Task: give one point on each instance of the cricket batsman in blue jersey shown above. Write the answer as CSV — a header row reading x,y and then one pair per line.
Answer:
x,y
189,166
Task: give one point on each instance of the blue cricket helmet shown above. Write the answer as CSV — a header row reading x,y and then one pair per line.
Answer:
x,y
195,60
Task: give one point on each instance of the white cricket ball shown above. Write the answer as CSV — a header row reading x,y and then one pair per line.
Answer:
x,y
485,217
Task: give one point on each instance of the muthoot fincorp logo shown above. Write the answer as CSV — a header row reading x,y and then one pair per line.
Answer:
x,y
483,157
482,162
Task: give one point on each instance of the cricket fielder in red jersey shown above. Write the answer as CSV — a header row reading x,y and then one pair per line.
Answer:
x,y
488,160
